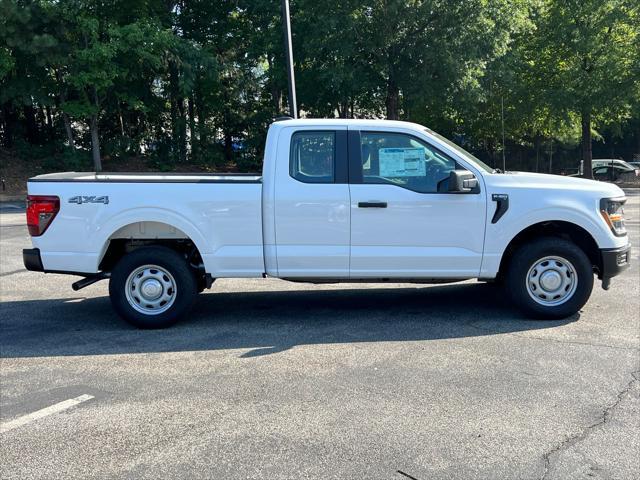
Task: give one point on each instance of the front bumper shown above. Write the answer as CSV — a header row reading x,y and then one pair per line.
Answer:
x,y
32,260
615,261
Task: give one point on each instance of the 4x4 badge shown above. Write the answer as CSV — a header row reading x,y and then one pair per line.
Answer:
x,y
80,199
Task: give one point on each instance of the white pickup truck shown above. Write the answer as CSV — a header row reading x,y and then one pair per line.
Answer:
x,y
338,201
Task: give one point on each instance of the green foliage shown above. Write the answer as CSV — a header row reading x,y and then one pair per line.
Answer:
x,y
7,63
70,160
53,156
590,56
198,82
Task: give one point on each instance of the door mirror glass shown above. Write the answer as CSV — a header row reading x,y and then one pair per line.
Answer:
x,y
462,181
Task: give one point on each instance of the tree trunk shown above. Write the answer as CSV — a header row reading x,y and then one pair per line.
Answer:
x,y
192,127
41,121
95,144
67,128
32,127
276,91
121,121
95,137
490,151
51,133
343,109
587,169
393,99
202,121
9,120
182,131
228,146
65,117
174,87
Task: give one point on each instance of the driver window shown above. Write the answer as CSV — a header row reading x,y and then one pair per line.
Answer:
x,y
403,160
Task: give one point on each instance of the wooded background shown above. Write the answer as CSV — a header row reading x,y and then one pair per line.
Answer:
x,y
173,84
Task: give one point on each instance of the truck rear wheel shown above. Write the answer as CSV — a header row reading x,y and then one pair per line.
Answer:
x,y
550,278
152,287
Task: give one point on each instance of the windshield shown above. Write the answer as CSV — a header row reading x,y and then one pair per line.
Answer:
x,y
461,151
612,162
626,165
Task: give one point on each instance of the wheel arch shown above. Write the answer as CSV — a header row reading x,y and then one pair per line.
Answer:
x,y
554,228
128,236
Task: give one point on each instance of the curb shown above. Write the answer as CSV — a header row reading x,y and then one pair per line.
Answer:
x,y
21,199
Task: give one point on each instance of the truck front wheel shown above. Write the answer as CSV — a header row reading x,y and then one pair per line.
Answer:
x,y
550,278
152,287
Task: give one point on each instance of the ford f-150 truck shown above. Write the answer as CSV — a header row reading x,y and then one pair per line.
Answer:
x,y
338,201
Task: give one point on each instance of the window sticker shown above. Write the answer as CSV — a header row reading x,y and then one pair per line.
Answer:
x,y
402,162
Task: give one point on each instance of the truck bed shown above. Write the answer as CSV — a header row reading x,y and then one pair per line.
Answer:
x,y
220,214
145,177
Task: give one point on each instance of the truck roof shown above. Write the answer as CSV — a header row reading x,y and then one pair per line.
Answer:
x,y
347,122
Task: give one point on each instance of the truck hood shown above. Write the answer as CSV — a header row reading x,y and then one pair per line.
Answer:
x,y
546,181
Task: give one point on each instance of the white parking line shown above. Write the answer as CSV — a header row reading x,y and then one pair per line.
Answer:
x,y
45,412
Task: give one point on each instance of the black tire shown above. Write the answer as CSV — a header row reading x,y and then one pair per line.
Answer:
x,y
181,298
527,256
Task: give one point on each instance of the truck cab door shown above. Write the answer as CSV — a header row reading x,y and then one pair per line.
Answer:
x,y
404,222
311,203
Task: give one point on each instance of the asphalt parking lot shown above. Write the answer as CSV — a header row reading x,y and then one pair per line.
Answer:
x,y
276,380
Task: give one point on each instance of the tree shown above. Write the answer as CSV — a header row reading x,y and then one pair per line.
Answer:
x,y
427,52
179,82
25,85
589,56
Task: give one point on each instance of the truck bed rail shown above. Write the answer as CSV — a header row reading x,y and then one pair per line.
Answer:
x,y
148,177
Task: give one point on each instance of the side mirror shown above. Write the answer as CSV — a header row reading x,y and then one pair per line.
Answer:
x,y
462,181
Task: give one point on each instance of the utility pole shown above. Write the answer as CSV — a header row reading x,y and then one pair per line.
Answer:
x,y
504,160
286,24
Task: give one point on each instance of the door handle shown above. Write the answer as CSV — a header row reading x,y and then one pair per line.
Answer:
x,y
372,204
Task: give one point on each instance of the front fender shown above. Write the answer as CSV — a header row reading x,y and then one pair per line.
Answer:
x,y
499,235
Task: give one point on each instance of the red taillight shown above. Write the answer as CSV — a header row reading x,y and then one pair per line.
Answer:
x,y
41,210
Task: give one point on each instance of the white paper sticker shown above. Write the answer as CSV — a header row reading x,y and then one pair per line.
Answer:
x,y
402,162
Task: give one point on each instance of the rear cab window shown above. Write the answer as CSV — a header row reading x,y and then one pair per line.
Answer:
x,y
313,156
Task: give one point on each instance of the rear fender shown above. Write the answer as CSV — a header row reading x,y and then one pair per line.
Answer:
x,y
103,235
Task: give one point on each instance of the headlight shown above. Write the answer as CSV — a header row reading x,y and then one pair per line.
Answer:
x,y
613,214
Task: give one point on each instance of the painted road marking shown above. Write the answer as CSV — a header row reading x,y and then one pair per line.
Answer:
x,y
45,412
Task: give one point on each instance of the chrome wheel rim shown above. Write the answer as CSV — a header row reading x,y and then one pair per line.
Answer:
x,y
552,281
150,290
